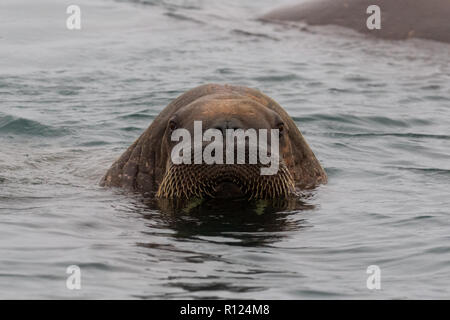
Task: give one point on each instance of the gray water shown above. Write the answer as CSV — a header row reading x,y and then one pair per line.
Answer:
x,y
376,113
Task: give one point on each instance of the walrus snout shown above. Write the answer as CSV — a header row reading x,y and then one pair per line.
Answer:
x,y
186,181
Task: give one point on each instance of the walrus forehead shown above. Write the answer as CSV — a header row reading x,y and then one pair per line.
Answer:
x,y
225,107
241,108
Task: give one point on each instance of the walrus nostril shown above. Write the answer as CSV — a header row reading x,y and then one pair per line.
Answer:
x,y
223,125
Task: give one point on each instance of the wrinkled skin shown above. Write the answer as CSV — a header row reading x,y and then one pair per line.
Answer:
x,y
146,167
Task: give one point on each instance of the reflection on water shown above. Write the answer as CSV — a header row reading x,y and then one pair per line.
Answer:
x,y
214,222
237,222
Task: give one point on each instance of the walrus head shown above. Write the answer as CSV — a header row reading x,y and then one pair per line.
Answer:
x,y
149,165
225,113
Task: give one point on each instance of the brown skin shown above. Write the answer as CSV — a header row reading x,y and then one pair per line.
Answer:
x,y
146,166
400,19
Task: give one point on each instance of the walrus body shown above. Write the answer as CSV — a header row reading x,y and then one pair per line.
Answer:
x,y
147,166
400,19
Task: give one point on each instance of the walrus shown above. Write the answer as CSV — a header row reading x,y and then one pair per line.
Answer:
x,y
400,19
147,166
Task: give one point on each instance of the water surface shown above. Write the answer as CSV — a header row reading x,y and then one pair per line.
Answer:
x,y
376,113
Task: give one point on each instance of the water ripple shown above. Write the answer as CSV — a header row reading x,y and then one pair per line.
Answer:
x,y
22,126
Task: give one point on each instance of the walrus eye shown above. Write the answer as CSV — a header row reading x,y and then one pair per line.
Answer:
x,y
280,128
172,125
